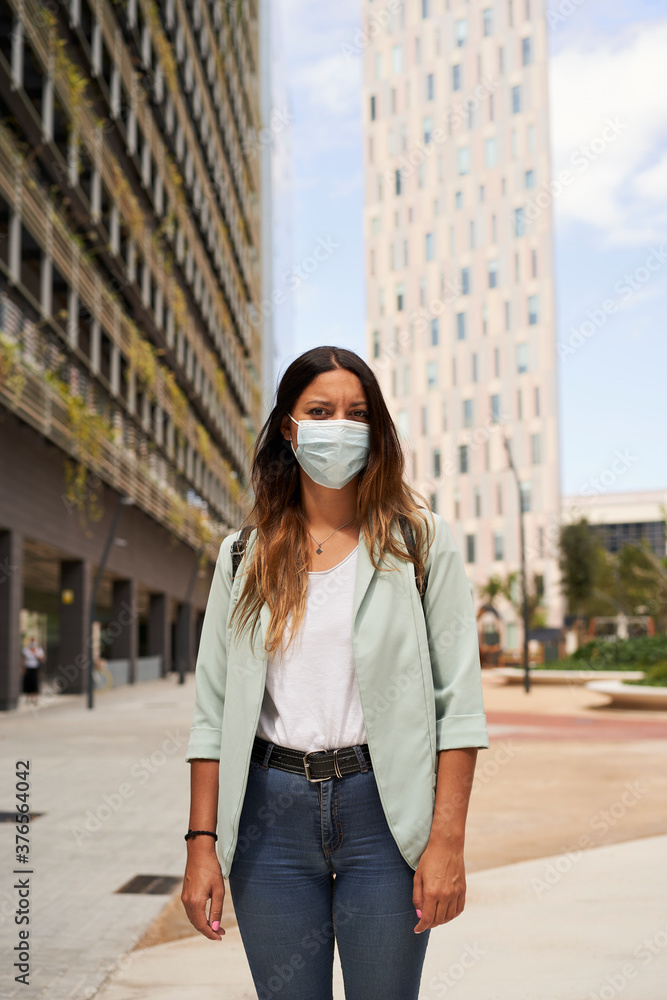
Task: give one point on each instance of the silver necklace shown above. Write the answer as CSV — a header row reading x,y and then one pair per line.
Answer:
x,y
320,544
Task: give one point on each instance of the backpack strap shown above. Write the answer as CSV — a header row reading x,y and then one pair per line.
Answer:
x,y
238,547
409,537
239,544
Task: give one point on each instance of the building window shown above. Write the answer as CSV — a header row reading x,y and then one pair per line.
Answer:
x,y
481,192
424,420
456,77
498,549
472,234
463,458
464,160
453,371
514,143
522,358
373,108
529,178
532,310
431,374
397,59
493,273
433,500
540,542
507,315
461,32
461,326
458,199
490,152
403,424
478,502
406,380
526,51
376,343
470,548
434,331
532,143
430,247
400,298
516,267
525,496
457,505
494,229
430,86
398,182
516,99
436,463
536,448
519,404
392,96
537,400
427,128
495,408
465,281
487,22
426,6
475,368
519,221
467,412
533,263
496,362
444,415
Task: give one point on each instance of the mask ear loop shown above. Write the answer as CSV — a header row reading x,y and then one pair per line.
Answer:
x,y
290,440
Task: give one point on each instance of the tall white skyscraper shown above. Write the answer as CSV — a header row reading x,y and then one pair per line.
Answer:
x,y
460,306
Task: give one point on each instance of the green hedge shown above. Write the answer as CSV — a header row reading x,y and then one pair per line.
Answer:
x,y
656,676
628,654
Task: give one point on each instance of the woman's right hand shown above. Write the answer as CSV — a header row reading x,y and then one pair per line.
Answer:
x,y
203,881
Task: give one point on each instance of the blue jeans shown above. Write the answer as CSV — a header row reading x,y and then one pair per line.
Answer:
x,y
314,860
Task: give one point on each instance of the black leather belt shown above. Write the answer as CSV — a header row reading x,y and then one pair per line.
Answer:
x,y
326,764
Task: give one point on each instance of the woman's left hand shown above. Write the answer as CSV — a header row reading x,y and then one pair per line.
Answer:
x,y
439,886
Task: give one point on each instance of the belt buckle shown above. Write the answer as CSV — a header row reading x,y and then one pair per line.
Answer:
x,y
307,766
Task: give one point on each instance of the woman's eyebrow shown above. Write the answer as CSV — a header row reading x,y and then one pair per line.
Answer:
x,y
327,402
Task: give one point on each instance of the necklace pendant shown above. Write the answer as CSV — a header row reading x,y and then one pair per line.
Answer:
x,y
318,550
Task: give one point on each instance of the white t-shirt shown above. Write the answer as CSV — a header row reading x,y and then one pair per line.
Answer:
x,y
311,698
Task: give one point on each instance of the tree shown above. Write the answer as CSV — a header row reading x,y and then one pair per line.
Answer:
x,y
577,564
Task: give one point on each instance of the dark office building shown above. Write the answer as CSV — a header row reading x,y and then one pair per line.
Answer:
x,y
130,350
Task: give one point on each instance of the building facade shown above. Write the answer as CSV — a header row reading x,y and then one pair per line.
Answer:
x,y
618,519
460,304
131,356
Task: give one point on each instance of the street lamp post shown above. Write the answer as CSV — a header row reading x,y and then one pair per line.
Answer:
x,y
524,583
123,501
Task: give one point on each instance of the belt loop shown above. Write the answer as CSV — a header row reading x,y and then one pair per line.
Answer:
x,y
265,762
363,766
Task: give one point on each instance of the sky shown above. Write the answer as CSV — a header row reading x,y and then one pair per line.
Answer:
x,y
607,65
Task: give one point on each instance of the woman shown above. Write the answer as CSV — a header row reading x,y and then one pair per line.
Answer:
x,y
337,718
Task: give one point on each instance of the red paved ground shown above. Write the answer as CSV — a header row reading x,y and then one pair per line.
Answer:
x,y
542,726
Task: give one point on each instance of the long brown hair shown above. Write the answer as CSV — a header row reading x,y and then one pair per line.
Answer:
x,y
277,572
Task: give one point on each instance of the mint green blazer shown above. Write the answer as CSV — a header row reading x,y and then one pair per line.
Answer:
x,y
419,682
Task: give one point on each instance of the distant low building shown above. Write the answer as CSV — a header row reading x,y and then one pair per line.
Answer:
x,y
619,519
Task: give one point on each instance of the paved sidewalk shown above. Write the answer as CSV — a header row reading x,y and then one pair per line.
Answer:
x,y
591,926
112,786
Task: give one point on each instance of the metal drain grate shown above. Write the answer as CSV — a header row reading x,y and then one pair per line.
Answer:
x,y
151,885
7,817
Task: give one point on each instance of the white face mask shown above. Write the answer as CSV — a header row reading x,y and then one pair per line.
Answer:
x,y
332,452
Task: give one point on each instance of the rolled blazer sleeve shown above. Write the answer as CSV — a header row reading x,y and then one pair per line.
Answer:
x,y
211,664
453,646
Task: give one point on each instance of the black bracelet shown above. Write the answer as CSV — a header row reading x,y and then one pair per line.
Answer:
x,y
193,833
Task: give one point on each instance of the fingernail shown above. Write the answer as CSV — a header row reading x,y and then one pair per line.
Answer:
x,y
215,925
419,913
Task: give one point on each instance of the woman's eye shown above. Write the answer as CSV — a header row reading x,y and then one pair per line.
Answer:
x,y
317,410
360,413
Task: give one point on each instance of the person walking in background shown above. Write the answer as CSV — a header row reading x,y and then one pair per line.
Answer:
x,y
338,706
33,656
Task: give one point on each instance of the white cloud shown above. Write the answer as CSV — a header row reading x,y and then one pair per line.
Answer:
x,y
624,80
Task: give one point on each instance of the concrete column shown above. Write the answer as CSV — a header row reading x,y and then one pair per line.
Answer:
x,y
11,599
124,625
159,630
74,606
185,639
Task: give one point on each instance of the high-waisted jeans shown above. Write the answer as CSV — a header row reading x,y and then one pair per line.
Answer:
x,y
294,837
